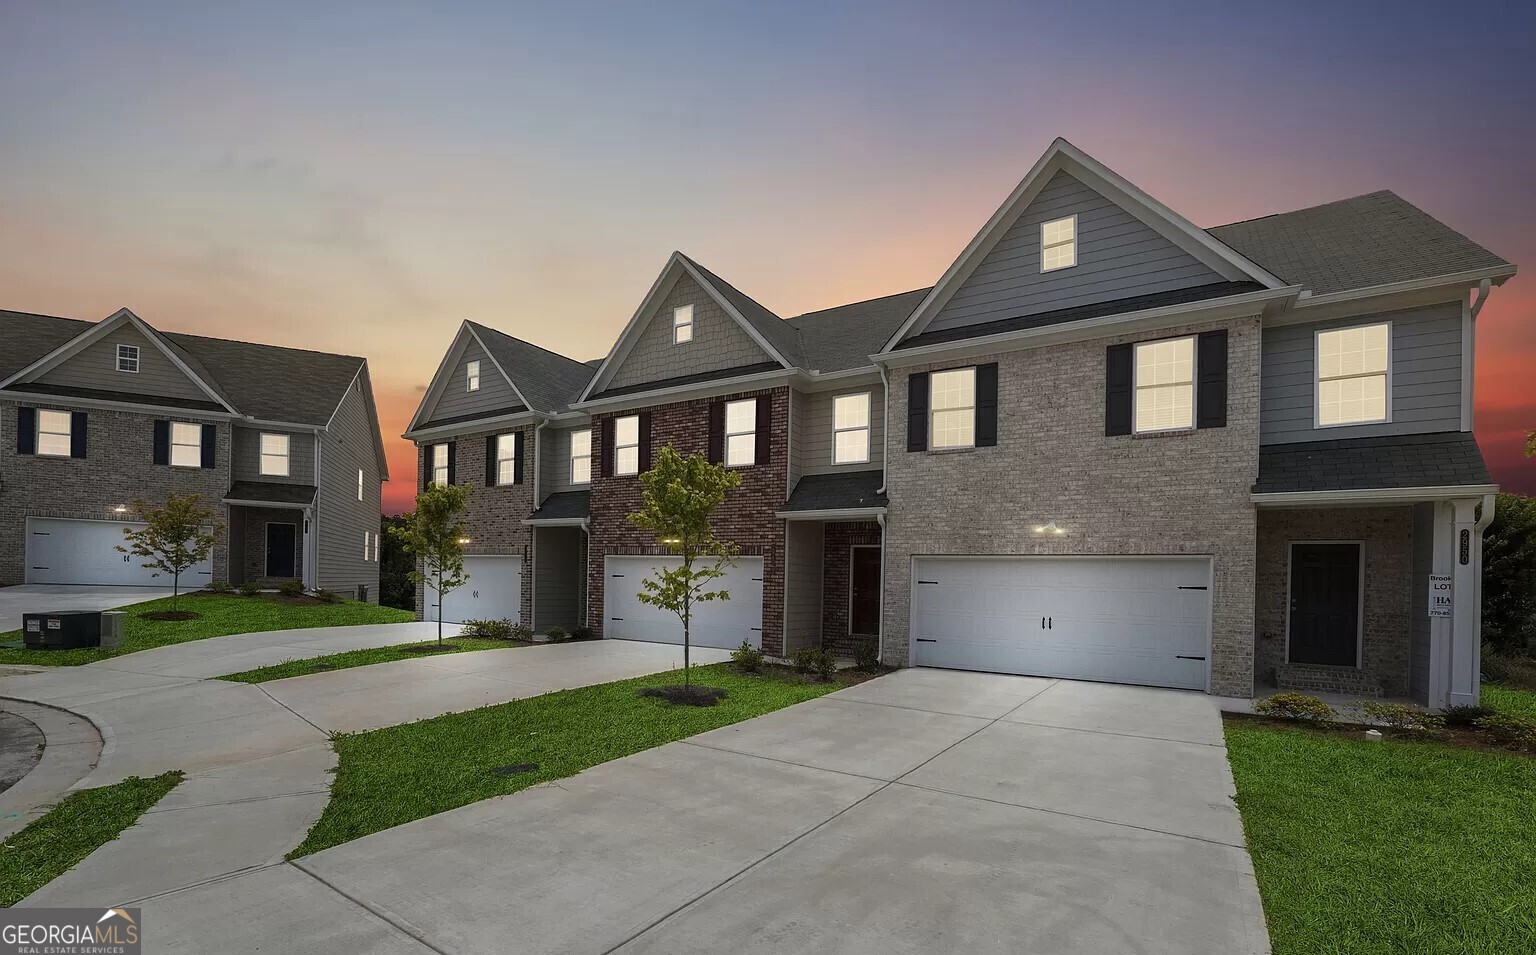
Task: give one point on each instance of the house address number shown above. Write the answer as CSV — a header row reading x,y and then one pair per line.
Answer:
x,y
1440,595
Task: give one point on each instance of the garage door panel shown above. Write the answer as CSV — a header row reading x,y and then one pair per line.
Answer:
x,y
494,591
63,551
716,623
1126,620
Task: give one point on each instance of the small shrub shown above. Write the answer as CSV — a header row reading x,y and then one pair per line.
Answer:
x,y
291,588
521,631
1296,706
327,596
583,633
488,629
747,658
249,589
557,634
1514,731
866,655
1400,716
1465,715
815,661
220,587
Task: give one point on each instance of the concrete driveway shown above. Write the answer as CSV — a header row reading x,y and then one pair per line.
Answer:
x,y
927,811
44,598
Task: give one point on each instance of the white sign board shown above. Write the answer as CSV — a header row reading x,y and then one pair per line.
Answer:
x,y
1439,595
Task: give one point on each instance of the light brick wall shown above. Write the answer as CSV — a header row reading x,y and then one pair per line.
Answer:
x,y
1183,493
1388,536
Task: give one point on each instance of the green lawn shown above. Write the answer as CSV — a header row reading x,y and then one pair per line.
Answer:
x,y
1387,847
80,824
221,616
1508,699
391,776
364,657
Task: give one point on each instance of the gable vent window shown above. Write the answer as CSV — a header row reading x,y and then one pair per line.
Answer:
x,y
581,456
440,465
53,433
954,408
128,359
472,376
850,428
274,455
186,445
1058,244
1165,385
741,433
626,445
682,324
1352,369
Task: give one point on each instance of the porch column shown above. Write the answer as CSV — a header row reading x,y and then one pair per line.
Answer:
x,y
1462,687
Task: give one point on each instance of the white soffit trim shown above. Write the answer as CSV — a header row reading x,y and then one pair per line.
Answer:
x,y
556,521
832,514
701,389
472,425
1386,495
1063,156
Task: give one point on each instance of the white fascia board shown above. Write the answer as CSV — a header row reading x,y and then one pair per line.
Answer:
x,y
665,279
556,521
1104,326
731,310
478,424
831,381
832,514
39,398
1497,274
1388,495
272,504
434,386
703,389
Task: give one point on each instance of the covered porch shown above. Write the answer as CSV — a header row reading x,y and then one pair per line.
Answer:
x,y
271,538
833,562
559,540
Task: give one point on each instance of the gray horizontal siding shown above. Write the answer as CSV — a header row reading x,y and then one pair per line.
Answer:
x,y
341,519
719,341
301,456
1118,256
96,367
796,467
816,435
1426,377
494,394
557,577
555,462
802,584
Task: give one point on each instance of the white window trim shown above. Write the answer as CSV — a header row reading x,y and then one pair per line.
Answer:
x,y
678,326
1317,378
122,353
869,413
511,456
1057,268
196,446
366,535
729,434
262,454
617,447
472,375
574,457
439,467
1194,380
67,433
934,411
359,484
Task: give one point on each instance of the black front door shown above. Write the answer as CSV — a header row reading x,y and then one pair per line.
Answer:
x,y
864,614
280,538
1325,604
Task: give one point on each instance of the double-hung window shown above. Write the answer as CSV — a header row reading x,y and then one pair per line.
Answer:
x,y
850,428
1352,369
186,445
506,459
440,465
682,324
953,408
741,433
1165,385
53,433
366,540
472,376
128,359
274,454
359,484
626,444
581,456
1058,244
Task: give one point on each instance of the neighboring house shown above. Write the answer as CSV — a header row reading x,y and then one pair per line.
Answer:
x,y
1106,445
283,444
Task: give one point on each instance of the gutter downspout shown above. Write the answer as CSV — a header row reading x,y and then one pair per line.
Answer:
x,y
880,646
1483,289
533,532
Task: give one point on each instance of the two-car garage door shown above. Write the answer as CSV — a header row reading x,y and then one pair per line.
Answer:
x,y
1115,619
716,623
63,551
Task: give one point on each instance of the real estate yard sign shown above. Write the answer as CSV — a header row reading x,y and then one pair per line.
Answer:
x,y
1439,595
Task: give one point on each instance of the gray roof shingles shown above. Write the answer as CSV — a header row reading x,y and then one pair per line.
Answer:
x,y
562,506
778,333
271,493
1443,459
837,492
550,381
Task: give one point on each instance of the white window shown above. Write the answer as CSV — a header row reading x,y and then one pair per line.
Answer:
x,y
741,433
359,484
1352,369
953,400
1165,385
472,376
128,359
682,324
581,456
626,445
440,465
186,445
1058,244
850,428
506,458
274,454
366,536
53,433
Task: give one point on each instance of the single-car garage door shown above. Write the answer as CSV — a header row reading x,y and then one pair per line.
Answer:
x,y
716,623
63,551
1116,619
494,591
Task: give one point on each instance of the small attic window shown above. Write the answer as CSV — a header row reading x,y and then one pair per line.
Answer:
x,y
682,324
1058,244
128,359
472,376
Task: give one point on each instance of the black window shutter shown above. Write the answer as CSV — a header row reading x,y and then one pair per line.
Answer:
x,y
77,426
162,442
1211,378
452,461
605,468
210,445
986,405
26,430
517,457
492,472
917,412
645,441
1117,389
717,432
764,434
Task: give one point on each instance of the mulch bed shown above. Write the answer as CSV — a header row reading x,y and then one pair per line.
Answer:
x,y
685,695
1461,737
171,615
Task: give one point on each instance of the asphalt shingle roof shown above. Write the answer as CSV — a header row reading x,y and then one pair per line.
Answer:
x,y
835,339
1374,239
550,381
778,333
827,492
271,493
1443,459
562,506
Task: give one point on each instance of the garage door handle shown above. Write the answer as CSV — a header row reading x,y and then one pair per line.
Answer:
x,y
926,640
1183,657
1194,588
927,581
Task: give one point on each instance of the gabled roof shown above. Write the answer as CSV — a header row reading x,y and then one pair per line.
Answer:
x,y
1375,239
770,326
547,380
29,337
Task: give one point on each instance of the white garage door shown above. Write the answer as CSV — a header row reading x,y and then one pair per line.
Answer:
x,y
1116,619
494,591
84,552
716,623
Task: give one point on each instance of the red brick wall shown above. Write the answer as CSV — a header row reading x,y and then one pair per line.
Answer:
x,y
837,561
746,518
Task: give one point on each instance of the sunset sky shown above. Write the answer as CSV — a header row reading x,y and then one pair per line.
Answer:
x,y
361,180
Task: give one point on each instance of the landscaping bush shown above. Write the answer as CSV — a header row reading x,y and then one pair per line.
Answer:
x,y
249,589
583,633
220,587
1514,731
1463,716
557,634
488,629
291,588
1296,706
747,658
1509,574
327,596
815,661
1400,716
866,655
1508,668
521,631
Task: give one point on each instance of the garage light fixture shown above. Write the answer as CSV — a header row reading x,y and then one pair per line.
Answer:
x,y
120,509
1050,528
463,540
671,540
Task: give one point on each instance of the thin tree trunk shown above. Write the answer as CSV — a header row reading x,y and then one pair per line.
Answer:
x,y
440,602
687,624
175,591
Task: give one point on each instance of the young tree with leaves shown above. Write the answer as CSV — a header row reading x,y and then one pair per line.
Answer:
x,y
433,534
679,495
175,537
